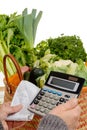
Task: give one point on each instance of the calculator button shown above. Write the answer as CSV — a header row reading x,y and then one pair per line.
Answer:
x,y
44,89
54,92
39,97
40,103
67,96
44,99
45,105
47,95
48,100
53,102
37,108
33,106
50,106
61,99
42,109
58,103
55,97
46,111
51,96
59,93
42,93
36,101
50,91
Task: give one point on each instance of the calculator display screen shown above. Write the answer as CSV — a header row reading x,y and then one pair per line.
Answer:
x,y
63,83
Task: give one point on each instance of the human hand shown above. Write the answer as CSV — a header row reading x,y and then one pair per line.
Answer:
x,y
6,109
69,112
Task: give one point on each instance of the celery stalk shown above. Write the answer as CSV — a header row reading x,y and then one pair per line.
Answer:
x,y
6,50
3,52
1,66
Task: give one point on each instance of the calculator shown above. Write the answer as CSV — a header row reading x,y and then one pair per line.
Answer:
x,y
58,89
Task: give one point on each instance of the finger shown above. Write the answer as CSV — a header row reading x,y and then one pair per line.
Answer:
x,y
14,109
5,126
71,117
76,116
68,105
76,112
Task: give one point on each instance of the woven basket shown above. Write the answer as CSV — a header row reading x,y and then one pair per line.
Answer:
x,y
10,82
83,117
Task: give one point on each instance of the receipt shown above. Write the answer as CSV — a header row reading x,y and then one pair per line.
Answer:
x,y
25,93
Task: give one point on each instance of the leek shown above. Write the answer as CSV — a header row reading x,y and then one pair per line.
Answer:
x,y
27,24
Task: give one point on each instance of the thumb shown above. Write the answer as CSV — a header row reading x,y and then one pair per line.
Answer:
x,y
68,105
14,109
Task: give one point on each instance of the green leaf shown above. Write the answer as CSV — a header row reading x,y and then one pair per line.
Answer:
x,y
25,12
28,30
36,22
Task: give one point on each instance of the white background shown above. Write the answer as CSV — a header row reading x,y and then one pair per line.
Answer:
x,y
59,16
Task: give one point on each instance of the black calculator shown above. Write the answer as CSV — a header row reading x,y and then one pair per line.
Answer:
x,y
58,89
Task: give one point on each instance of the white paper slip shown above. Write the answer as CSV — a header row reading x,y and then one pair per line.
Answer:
x,y
1,79
25,93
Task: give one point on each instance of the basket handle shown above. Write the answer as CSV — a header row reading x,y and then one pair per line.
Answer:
x,y
16,66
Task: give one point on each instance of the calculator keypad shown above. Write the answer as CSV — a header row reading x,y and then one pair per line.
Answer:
x,y
47,99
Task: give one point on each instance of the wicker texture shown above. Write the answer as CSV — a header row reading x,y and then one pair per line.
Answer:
x,y
28,125
83,117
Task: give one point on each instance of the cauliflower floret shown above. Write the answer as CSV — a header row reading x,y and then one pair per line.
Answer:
x,y
62,63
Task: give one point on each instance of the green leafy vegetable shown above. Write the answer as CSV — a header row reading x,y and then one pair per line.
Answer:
x,y
66,47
